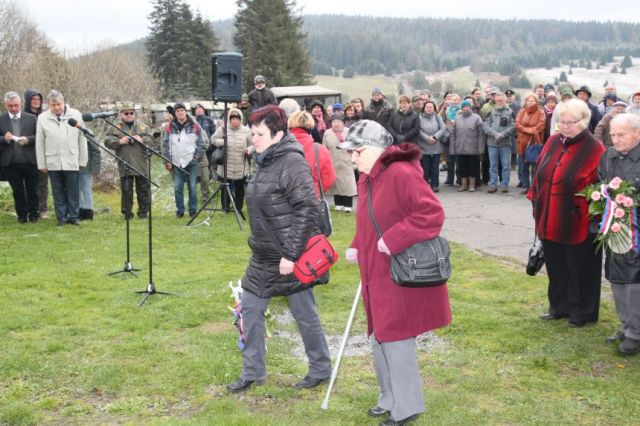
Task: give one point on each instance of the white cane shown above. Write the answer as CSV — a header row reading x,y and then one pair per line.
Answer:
x,y
345,336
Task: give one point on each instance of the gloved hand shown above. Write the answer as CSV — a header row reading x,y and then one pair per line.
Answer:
x,y
382,247
352,255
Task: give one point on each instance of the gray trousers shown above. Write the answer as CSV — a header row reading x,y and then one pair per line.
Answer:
x,y
303,308
398,377
627,299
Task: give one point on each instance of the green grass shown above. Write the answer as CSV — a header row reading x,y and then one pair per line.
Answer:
x,y
76,349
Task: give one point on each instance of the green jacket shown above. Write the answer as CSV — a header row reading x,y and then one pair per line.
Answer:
x,y
132,153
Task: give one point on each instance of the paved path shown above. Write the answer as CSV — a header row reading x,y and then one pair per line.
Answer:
x,y
497,224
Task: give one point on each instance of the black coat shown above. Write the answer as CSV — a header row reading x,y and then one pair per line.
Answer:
x,y
27,129
281,198
260,98
621,268
380,112
404,126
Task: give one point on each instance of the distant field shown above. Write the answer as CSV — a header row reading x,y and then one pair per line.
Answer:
x,y
594,78
359,86
464,80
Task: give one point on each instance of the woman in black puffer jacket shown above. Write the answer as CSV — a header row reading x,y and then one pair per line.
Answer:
x,y
282,209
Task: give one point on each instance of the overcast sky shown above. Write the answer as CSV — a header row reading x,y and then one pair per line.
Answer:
x,y
82,24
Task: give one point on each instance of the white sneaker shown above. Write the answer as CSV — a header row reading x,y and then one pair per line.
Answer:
x,y
339,208
347,209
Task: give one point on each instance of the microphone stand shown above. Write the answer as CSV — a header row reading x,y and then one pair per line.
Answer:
x,y
128,267
224,185
150,152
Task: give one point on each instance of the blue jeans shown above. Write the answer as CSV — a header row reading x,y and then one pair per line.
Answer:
x,y
85,181
502,155
525,171
66,194
179,179
431,169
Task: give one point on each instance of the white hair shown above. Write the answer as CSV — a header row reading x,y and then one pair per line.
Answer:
x,y
289,106
11,95
628,119
54,95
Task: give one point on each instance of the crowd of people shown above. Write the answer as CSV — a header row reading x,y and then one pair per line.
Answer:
x,y
283,155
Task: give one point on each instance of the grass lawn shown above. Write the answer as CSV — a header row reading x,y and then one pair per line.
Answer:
x,y
76,349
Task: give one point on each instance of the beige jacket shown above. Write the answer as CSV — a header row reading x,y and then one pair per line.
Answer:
x,y
238,141
58,145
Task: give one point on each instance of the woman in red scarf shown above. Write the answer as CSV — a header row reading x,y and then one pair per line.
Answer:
x,y
530,130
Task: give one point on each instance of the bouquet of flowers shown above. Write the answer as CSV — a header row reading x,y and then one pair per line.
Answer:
x,y
616,203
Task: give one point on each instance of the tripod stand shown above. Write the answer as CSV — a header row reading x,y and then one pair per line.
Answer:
x,y
127,263
149,153
128,268
223,188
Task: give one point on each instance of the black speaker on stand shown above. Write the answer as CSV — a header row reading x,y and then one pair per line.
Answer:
x,y
226,86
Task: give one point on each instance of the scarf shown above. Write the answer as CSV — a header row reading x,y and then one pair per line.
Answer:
x,y
319,118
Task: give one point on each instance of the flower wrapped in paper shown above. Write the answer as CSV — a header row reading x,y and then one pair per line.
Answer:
x,y
615,203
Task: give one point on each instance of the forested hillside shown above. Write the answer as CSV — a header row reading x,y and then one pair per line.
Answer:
x,y
368,45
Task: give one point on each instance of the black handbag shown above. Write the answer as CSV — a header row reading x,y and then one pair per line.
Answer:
x,y
536,257
324,217
218,156
424,264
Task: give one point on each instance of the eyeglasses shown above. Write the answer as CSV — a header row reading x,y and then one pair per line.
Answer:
x,y
568,123
128,113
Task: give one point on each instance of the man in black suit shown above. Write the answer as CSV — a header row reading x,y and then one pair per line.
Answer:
x,y
18,156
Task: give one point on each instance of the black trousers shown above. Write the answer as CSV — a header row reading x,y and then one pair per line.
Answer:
x,y
236,186
343,200
23,179
575,273
142,192
468,165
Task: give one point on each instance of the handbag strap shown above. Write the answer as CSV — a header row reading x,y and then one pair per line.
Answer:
x,y
315,159
373,219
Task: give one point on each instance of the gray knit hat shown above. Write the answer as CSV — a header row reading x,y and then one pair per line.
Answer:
x,y
366,132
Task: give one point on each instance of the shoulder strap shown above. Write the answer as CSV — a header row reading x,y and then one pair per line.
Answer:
x,y
315,156
373,219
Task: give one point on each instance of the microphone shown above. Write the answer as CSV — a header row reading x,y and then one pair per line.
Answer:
x,y
74,123
90,116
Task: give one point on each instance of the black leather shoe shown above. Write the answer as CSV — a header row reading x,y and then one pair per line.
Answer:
x,y
615,338
391,422
551,316
377,411
309,382
240,385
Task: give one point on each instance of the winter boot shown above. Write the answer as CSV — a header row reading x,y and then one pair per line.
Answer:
x,y
89,214
464,185
472,184
83,214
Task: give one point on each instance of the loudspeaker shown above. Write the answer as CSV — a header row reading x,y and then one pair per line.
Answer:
x,y
226,77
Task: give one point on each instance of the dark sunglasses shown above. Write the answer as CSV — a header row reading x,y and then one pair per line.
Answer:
x,y
128,113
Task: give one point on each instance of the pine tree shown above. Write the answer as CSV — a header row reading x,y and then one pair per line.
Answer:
x,y
563,77
614,69
179,49
626,62
269,35
623,71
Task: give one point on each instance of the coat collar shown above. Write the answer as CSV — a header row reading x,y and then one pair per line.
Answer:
x,y
403,152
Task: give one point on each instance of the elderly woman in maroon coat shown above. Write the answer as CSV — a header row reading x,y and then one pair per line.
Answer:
x,y
407,212
567,164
